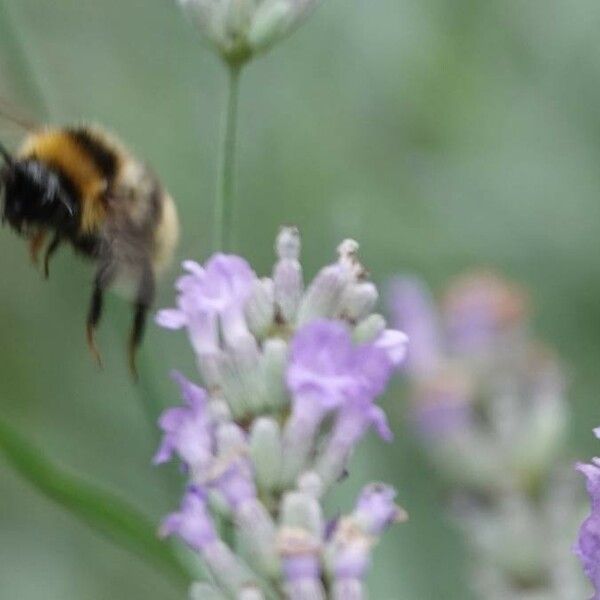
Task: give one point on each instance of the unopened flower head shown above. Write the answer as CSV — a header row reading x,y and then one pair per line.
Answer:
x,y
291,375
240,29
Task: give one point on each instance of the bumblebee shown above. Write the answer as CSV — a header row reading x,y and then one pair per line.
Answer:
x,y
80,186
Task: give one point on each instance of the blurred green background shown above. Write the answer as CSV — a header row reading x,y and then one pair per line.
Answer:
x,y
442,134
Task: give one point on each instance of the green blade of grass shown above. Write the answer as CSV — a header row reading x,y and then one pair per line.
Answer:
x,y
101,510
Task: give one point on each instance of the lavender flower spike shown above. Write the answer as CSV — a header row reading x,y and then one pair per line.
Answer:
x,y
291,381
587,547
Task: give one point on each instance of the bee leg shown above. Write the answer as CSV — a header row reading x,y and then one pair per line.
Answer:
x,y
144,298
36,241
54,244
104,277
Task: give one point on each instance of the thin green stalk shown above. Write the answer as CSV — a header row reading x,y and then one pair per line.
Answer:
x,y
20,53
225,182
103,511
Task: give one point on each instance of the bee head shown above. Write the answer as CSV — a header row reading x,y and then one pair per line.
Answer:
x,y
33,194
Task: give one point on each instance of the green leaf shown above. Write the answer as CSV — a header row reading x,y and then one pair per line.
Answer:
x,y
101,510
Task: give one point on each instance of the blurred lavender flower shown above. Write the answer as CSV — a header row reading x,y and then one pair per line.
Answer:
x,y
239,29
482,310
489,406
587,546
291,378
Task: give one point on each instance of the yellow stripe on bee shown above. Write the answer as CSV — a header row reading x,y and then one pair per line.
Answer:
x,y
56,148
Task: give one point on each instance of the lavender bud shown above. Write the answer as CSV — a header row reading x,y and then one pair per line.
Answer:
x,y
348,257
210,367
287,244
257,532
240,380
287,274
299,436
302,511
228,569
310,483
300,553
274,360
219,410
230,440
358,301
369,329
260,311
300,546
266,453
323,296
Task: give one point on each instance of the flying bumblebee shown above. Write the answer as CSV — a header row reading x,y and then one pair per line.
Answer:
x,y
81,187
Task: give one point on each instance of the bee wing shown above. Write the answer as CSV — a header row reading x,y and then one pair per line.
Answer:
x,y
14,117
20,92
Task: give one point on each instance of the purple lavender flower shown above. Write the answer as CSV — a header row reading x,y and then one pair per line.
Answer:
x,y
348,552
300,546
301,566
413,311
327,372
187,430
376,509
587,546
479,307
352,422
325,362
192,523
443,406
395,345
220,289
234,479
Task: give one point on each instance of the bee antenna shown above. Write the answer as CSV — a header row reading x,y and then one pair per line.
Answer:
x,y
6,155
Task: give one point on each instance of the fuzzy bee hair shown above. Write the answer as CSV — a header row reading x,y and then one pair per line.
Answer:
x,y
81,187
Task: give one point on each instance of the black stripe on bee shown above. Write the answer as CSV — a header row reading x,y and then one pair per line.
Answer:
x,y
104,158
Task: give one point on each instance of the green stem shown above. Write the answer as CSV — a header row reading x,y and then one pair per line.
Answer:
x,y
225,181
101,510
